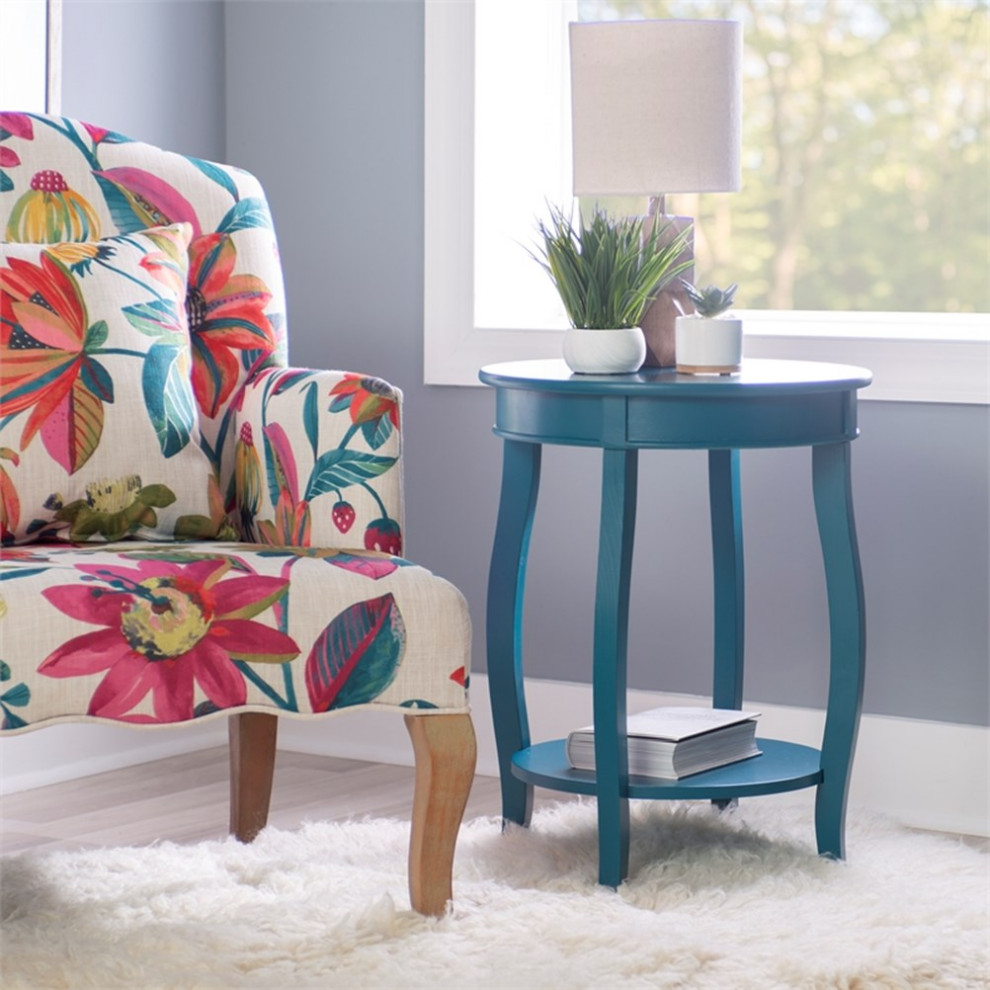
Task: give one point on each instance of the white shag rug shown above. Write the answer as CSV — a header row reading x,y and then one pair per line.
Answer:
x,y
732,901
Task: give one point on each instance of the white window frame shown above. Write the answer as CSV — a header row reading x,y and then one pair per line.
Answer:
x,y
915,357
31,55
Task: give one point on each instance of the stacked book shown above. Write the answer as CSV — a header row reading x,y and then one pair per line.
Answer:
x,y
675,742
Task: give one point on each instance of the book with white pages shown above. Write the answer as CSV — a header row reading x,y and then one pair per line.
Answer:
x,y
672,742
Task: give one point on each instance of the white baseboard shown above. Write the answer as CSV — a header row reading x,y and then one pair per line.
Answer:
x,y
66,752
933,775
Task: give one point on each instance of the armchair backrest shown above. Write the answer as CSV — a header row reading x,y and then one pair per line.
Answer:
x,y
63,180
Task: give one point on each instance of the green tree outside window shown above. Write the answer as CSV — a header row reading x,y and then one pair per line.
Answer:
x,y
866,165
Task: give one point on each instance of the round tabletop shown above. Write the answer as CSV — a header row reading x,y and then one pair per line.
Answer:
x,y
757,376
767,404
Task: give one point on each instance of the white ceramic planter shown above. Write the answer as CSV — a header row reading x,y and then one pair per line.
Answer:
x,y
604,352
707,346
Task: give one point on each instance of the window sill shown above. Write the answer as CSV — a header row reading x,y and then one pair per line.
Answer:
x,y
914,357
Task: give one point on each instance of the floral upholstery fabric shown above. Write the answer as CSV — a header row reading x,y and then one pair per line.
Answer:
x,y
63,180
99,435
261,568
154,633
339,488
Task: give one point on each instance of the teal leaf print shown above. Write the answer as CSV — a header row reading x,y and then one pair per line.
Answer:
x,y
311,416
18,696
12,721
250,212
97,379
22,573
96,336
356,657
217,174
167,396
156,319
337,469
376,431
125,219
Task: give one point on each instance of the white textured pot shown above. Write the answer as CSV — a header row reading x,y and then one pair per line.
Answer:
x,y
707,346
604,352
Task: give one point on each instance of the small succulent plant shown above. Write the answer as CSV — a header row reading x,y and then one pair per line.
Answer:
x,y
710,301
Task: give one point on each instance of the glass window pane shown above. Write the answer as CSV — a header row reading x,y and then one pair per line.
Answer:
x,y
866,182
23,48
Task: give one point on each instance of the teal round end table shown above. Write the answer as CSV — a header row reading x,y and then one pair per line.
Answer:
x,y
768,404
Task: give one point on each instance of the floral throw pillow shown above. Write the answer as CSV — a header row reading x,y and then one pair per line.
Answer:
x,y
99,438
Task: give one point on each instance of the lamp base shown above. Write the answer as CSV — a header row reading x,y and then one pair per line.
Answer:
x,y
659,320
658,325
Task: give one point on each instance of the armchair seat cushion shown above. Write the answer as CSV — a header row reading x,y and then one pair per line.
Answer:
x,y
162,633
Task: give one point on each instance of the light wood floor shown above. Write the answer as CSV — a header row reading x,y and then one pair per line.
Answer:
x,y
184,799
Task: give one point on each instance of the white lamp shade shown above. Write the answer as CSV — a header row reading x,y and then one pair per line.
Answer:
x,y
656,106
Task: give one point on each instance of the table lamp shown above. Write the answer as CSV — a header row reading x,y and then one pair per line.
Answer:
x,y
656,108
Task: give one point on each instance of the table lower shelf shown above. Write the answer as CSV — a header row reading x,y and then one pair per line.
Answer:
x,y
783,766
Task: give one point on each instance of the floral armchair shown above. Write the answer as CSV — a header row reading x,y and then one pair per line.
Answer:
x,y
191,528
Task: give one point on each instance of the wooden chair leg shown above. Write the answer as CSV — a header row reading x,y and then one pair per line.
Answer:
x,y
446,753
252,738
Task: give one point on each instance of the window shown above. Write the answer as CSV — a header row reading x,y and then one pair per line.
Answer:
x,y
866,162
941,355
30,54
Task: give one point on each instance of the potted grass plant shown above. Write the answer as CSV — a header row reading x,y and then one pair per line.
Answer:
x,y
607,272
708,341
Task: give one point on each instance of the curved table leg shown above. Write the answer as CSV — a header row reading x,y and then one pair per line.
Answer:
x,y
727,559
615,545
847,635
506,581
727,566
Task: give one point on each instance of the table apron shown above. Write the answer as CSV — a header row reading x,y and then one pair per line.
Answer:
x,y
795,420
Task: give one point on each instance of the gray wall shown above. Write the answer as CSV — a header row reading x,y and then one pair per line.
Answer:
x,y
152,69
324,102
